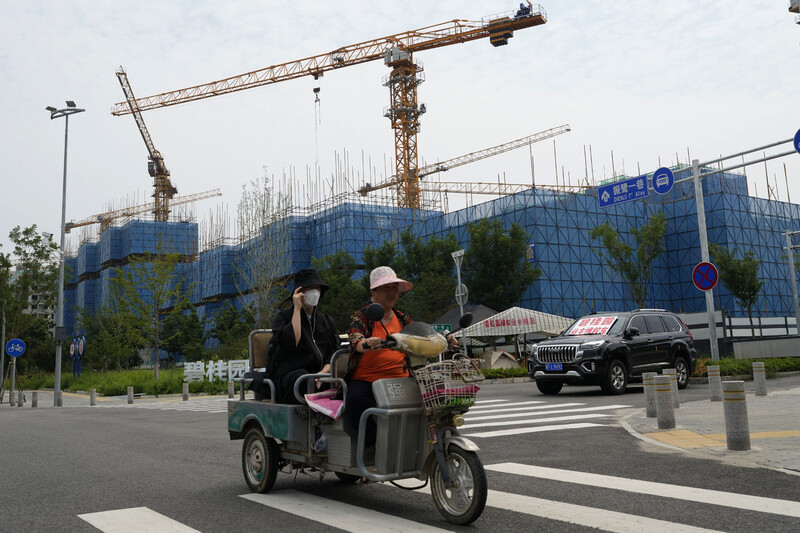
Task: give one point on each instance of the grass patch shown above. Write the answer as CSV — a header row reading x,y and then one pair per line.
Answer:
x,y
500,373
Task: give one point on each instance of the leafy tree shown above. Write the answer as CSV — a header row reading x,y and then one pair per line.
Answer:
x,y
344,294
634,267
151,294
428,265
184,333
260,274
739,276
231,327
496,269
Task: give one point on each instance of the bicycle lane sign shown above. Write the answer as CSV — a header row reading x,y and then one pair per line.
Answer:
x,y
15,347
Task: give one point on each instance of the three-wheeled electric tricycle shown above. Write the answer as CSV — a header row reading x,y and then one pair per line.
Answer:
x,y
416,420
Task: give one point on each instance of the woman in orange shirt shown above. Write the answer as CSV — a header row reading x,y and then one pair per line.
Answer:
x,y
364,368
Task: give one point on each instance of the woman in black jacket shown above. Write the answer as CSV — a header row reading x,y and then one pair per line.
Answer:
x,y
305,337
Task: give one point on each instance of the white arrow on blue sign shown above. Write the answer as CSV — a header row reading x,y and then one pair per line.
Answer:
x,y
622,191
15,347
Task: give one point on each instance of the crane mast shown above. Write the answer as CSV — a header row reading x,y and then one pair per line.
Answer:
x,y
397,52
163,188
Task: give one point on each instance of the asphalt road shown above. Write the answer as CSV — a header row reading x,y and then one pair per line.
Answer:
x,y
58,464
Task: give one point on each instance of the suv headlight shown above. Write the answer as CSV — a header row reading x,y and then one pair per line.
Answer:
x,y
534,350
591,345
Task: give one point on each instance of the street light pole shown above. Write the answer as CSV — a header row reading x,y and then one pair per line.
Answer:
x,y
58,113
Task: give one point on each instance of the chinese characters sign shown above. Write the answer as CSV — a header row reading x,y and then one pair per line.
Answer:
x,y
505,322
622,191
598,325
215,370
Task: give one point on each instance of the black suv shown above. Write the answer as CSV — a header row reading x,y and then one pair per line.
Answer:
x,y
612,349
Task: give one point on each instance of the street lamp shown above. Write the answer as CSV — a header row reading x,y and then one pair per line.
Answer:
x,y
60,333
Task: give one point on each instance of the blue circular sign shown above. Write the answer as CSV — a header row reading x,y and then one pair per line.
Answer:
x,y
15,347
663,178
797,141
705,276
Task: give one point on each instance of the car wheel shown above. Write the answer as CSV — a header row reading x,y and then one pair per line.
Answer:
x,y
682,371
549,387
616,378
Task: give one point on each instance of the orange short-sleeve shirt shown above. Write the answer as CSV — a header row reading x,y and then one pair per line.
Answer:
x,y
384,363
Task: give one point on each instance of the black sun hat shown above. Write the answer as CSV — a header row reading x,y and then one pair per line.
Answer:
x,y
308,277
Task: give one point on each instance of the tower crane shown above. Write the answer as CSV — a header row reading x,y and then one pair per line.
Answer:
x,y
164,190
471,158
397,53
107,218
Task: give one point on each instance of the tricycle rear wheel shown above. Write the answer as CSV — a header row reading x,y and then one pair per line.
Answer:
x,y
462,502
260,456
347,478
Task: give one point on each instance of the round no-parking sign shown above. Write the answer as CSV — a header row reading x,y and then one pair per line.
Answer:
x,y
705,276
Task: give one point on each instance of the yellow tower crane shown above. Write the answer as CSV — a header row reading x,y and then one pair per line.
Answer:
x,y
406,75
107,218
163,188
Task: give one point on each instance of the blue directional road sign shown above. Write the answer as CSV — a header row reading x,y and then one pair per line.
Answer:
x,y
797,141
15,347
622,191
705,276
663,178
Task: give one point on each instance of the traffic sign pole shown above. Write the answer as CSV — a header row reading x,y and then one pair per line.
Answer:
x,y
458,256
701,228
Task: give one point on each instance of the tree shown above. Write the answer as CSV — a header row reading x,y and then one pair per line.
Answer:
x,y
619,256
151,294
428,265
496,269
184,333
739,276
231,327
264,229
344,294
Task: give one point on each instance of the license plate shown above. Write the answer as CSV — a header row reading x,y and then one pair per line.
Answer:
x,y
553,366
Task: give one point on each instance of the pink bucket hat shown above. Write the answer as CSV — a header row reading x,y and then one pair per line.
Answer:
x,y
384,275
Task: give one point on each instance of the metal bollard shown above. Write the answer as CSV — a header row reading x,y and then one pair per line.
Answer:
x,y
20,397
185,392
230,389
130,395
649,380
715,383
12,398
92,396
60,398
673,375
737,427
34,399
665,405
760,378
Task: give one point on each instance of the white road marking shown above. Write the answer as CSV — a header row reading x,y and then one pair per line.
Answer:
x,y
503,410
536,420
135,520
540,413
481,404
336,514
652,488
534,429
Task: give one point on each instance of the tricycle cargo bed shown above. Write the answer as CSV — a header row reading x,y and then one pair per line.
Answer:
x,y
280,421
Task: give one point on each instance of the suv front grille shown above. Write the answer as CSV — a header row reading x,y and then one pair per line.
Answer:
x,y
557,354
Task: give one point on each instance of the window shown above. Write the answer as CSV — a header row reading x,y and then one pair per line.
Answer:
x,y
639,323
654,324
671,323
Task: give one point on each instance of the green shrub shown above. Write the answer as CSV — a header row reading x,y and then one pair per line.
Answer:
x,y
729,366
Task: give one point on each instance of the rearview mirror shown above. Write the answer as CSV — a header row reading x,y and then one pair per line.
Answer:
x,y
633,331
465,320
375,312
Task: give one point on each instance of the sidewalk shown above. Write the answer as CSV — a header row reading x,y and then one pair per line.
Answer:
x,y
774,423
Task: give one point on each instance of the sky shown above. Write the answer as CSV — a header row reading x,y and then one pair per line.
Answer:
x,y
650,81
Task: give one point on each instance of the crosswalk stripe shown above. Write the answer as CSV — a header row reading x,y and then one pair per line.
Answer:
x,y
513,409
536,420
469,419
533,429
134,520
481,404
653,488
585,516
336,514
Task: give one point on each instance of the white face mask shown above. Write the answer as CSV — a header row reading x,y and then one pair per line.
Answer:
x,y
312,297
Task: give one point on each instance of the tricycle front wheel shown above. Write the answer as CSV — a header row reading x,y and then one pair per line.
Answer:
x,y
461,502
260,456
